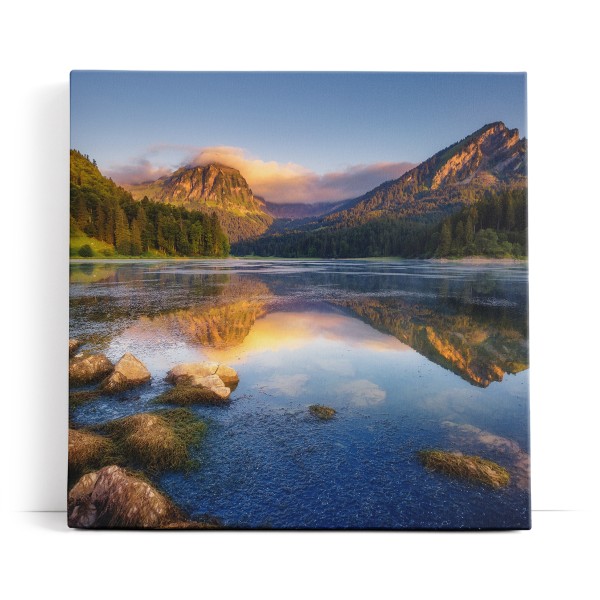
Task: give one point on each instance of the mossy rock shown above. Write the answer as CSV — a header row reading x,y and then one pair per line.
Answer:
x,y
88,451
187,394
322,412
471,468
157,441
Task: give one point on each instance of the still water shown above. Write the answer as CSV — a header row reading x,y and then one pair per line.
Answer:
x,y
411,354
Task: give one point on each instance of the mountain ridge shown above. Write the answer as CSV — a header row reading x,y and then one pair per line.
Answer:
x,y
213,187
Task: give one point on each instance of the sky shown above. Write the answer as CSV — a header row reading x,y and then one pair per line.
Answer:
x,y
296,137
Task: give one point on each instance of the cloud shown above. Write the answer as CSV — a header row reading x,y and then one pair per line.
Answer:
x,y
362,392
282,183
287,385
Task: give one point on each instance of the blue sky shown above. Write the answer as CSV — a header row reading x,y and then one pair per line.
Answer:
x,y
283,126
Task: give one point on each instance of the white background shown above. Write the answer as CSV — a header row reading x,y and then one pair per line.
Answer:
x,y
42,41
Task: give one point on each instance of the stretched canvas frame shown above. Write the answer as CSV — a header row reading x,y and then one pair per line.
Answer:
x,y
258,345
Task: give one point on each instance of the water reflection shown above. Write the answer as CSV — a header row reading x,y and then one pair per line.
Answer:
x,y
410,354
470,321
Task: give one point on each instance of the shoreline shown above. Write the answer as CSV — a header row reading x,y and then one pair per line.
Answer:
x,y
468,260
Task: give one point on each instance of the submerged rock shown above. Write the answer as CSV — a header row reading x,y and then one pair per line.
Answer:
x,y
204,369
471,468
88,368
322,412
113,497
128,372
74,345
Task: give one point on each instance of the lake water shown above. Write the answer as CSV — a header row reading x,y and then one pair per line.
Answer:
x,y
411,354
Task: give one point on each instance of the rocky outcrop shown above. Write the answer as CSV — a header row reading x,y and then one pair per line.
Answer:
x,y
491,157
128,372
113,497
211,188
471,468
88,368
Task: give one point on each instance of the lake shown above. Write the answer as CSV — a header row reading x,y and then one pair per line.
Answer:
x,y
411,354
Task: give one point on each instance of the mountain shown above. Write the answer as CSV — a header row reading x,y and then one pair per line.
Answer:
x,y
298,210
402,217
211,188
493,157
107,221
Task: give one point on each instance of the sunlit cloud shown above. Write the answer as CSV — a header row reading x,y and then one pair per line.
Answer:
x,y
278,182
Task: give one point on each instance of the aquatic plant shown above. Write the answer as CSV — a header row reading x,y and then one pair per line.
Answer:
x,y
471,468
322,412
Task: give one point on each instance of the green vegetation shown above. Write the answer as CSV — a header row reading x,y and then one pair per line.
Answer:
x,y
110,222
322,412
157,441
495,226
187,394
471,468
88,451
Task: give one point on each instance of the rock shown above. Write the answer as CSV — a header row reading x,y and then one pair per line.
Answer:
x,y
203,369
88,368
113,497
472,468
228,375
200,382
128,372
87,451
74,345
192,389
212,383
322,412
159,440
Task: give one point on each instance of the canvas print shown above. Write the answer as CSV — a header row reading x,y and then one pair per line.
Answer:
x,y
298,301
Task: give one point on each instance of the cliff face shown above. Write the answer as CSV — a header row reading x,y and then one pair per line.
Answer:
x,y
492,157
211,188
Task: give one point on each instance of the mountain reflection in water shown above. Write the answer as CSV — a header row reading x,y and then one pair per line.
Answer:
x,y
410,355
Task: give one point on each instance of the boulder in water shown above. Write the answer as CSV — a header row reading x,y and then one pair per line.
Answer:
x,y
88,368
128,372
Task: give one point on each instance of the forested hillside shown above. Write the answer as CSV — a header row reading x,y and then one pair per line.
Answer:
x,y
496,226
107,221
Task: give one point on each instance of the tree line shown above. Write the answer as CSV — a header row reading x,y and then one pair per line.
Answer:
x,y
102,210
494,226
